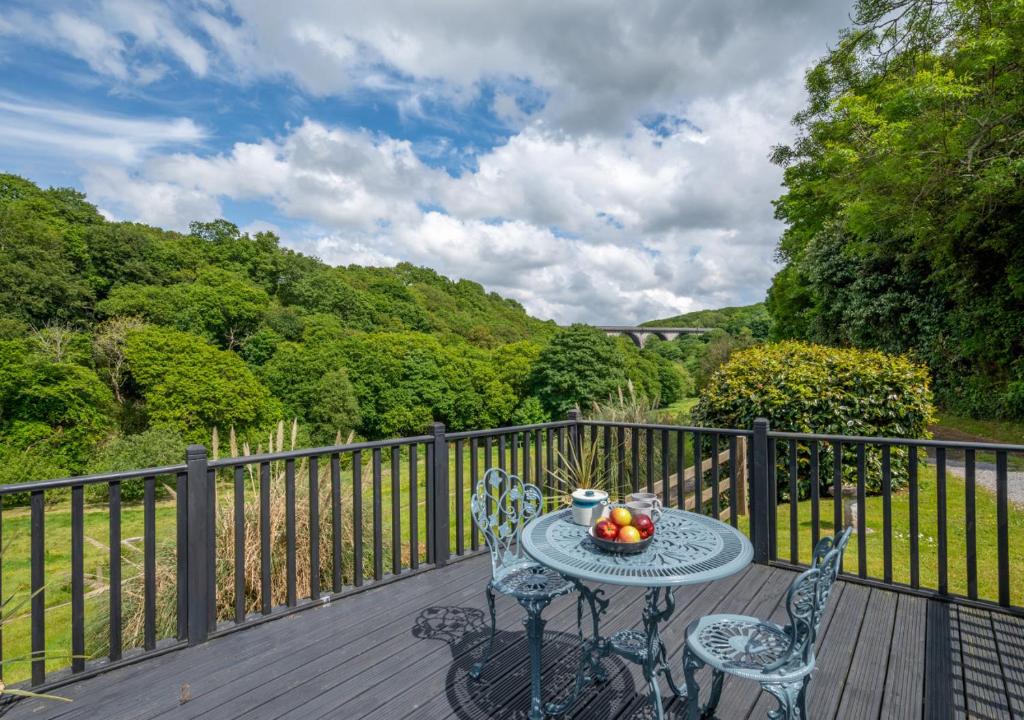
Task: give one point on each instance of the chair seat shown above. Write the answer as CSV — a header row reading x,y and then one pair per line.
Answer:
x,y
743,646
530,580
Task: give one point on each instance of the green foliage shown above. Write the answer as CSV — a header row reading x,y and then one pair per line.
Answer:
x,y
313,387
190,386
580,365
904,200
156,447
807,388
752,320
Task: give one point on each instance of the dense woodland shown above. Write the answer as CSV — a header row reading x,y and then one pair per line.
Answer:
x,y
904,200
120,343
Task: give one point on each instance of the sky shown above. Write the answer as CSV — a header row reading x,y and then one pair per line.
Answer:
x,y
603,162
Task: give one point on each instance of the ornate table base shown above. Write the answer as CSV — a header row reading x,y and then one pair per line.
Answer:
x,y
643,648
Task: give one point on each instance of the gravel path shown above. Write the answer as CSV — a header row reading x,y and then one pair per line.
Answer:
x,y
985,475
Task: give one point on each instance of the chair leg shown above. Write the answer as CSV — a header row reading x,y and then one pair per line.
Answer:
x,y
788,696
717,678
691,664
802,698
479,667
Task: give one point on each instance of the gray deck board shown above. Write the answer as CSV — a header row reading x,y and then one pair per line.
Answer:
x,y
404,650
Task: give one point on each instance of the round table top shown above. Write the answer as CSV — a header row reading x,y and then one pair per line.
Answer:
x,y
687,548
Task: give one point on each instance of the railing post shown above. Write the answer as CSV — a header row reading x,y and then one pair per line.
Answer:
x,y
760,514
439,528
200,538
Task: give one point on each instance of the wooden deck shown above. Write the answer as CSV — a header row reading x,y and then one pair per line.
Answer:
x,y
403,651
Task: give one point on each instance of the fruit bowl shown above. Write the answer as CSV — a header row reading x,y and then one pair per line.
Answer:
x,y
616,546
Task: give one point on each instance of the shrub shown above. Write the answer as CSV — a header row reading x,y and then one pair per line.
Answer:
x,y
800,387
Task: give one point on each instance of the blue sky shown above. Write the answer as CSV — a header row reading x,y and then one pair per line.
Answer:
x,y
597,161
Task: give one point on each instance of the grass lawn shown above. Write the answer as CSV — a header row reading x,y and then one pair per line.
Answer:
x,y
987,547
1000,431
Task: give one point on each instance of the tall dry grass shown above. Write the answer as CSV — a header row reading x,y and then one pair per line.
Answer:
x,y
133,608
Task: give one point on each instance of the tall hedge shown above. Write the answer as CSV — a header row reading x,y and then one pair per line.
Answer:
x,y
801,387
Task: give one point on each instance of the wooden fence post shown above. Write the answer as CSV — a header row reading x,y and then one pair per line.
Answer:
x,y
439,528
200,538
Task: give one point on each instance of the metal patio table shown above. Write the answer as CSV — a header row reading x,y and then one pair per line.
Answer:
x,y
687,549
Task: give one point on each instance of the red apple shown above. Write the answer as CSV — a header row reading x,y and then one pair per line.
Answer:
x,y
629,534
606,529
645,525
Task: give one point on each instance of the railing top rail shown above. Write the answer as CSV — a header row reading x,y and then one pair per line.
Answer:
x,y
316,452
918,442
465,434
91,479
656,426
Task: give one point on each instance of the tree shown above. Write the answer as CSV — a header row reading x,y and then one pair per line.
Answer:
x,y
904,201
580,365
191,387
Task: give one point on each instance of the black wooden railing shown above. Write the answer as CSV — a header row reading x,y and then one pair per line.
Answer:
x,y
360,515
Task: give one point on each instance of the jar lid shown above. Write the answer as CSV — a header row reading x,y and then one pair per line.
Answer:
x,y
589,495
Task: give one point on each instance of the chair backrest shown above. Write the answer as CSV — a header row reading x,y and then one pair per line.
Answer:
x,y
502,504
807,599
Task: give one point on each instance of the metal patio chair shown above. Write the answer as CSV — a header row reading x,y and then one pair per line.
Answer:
x,y
502,504
780,658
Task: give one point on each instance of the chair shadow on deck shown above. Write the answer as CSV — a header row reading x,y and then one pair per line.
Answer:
x,y
503,690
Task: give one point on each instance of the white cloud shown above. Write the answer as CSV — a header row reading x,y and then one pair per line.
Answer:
x,y
86,135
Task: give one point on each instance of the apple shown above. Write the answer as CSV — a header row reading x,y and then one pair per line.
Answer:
x,y
629,534
621,517
645,525
606,529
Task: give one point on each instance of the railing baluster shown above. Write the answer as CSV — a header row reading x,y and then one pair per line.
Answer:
x,y
527,470
460,499
733,485
514,455
474,474
1002,529
915,557
887,512
665,489
38,584
634,436
551,480
622,462
289,523
357,518
698,472
538,458
649,442
715,472
794,494
378,519
969,522
501,464
773,499
815,493
560,459
181,552
414,508
862,532
114,496
488,446
680,469
149,562
940,518
396,511
337,571
606,448
239,511
77,578
266,599
314,528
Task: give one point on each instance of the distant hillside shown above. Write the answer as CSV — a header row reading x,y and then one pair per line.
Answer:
x,y
120,342
734,320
